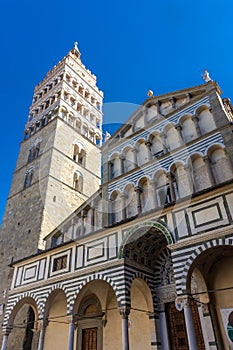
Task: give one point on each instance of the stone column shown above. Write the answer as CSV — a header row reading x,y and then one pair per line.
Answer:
x,y
189,325
110,170
122,159
42,327
209,170
153,193
71,333
195,120
123,206
92,217
125,327
6,332
153,331
172,192
72,229
117,166
179,130
163,138
163,330
83,214
134,150
139,204
189,177
148,145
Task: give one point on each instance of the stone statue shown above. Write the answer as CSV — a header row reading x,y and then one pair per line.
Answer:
x,y
206,76
107,136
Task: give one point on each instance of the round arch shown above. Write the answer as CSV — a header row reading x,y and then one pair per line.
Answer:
x,y
200,249
24,300
149,224
84,284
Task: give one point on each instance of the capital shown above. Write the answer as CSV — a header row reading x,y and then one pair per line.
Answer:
x,y
124,311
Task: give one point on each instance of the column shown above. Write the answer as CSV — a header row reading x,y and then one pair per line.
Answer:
x,y
163,331
209,170
134,150
195,120
125,328
153,193
122,159
6,332
71,333
62,235
42,326
189,325
139,205
123,206
163,139
110,170
148,145
83,214
117,166
173,198
92,216
179,128
72,229
153,331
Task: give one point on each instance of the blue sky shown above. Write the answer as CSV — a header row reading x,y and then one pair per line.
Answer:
x,y
130,45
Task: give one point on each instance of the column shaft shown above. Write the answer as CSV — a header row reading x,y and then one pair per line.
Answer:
x,y
190,327
163,331
4,342
71,337
125,333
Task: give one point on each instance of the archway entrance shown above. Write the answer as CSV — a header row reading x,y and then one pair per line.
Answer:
x,y
23,322
146,252
210,281
97,317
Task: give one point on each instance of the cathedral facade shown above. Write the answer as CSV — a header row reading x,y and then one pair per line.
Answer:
x,y
137,255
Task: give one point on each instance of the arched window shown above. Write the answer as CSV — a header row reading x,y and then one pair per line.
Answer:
x,y
78,181
130,201
28,178
162,189
206,120
142,152
116,207
156,145
34,152
79,154
172,137
220,161
144,194
129,159
182,185
200,173
189,131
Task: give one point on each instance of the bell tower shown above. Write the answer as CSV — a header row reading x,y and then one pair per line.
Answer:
x,y
58,166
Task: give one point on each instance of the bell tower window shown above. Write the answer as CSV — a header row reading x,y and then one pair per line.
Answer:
x,y
79,154
28,178
78,181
